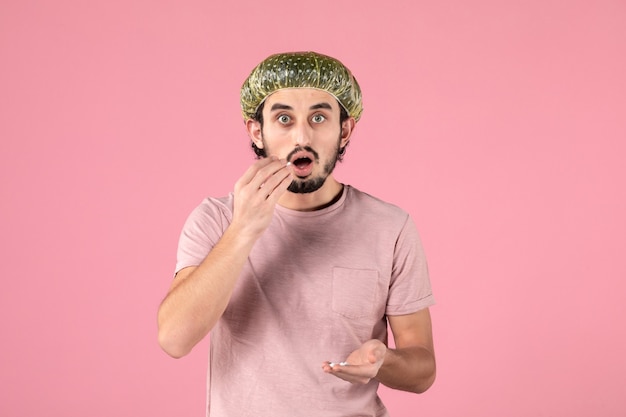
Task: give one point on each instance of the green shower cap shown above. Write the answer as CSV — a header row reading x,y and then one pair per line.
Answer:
x,y
301,70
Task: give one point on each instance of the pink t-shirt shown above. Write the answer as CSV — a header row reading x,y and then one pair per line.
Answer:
x,y
316,286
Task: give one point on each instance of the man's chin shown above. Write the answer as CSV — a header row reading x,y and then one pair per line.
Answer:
x,y
306,186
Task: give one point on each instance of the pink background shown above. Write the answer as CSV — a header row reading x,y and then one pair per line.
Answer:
x,y
501,126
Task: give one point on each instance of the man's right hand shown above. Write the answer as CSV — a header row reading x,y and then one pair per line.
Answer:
x,y
199,295
256,195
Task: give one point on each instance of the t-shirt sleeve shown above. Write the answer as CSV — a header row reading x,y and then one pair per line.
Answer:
x,y
201,231
410,288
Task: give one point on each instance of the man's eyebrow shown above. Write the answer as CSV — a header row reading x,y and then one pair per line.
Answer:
x,y
279,106
321,106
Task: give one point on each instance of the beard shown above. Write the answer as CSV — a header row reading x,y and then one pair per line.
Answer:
x,y
305,186
309,185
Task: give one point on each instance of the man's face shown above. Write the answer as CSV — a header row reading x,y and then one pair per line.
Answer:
x,y
303,126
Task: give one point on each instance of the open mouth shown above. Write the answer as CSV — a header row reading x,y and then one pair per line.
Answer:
x,y
303,163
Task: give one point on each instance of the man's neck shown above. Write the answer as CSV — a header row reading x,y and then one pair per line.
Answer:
x,y
328,194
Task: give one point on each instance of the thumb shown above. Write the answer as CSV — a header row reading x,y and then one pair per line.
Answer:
x,y
376,355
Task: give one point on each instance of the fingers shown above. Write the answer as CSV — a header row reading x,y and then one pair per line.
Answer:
x,y
281,179
266,179
329,366
256,194
261,174
362,365
254,168
260,187
355,374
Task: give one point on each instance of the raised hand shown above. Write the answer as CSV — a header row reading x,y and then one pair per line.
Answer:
x,y
257,192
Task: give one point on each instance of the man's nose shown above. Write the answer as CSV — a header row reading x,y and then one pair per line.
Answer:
x,y
302,134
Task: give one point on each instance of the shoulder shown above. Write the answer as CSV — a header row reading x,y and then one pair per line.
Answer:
x,y
368,204
214,213
215,205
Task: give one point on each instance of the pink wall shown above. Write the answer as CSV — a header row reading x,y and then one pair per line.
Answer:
x,y
500,126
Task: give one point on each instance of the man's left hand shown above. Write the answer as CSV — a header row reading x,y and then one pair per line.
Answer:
x,y
362,364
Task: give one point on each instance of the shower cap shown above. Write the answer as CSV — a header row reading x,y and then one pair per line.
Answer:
x,y
301,70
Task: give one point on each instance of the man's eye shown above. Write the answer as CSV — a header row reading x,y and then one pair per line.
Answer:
x,y
318,118
284,119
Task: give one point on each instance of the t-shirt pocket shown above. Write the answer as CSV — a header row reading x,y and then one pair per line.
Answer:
x,y
354,292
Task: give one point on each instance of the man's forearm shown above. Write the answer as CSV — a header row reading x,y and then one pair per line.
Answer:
x,y
193,305
408,369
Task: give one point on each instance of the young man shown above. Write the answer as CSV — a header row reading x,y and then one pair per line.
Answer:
x,y
295,274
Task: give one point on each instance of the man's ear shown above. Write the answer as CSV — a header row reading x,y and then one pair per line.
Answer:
x,y
347,127
255,132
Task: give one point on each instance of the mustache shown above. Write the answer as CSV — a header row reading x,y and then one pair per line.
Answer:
x,y
300,149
